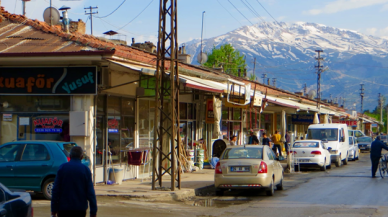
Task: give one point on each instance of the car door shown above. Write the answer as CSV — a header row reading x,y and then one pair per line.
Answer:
x,y
277,167
9,155
35,162
326,153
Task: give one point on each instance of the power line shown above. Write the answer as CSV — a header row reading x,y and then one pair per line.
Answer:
x,y
252,10
136,16
230,13
268,12
240,12
91,16
113,10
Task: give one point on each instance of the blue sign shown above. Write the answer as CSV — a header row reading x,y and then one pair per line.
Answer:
x,y
113,130
303,119
48,130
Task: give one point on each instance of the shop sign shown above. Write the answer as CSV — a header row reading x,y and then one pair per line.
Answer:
x,y
257,100
302,119
7,117
113,126
349,123
231,105
374,125
48,81
209,111
48,125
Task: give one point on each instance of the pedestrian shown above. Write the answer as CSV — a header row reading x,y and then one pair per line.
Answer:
x,y
253,138
277,143
266,140
375,154
73,188
233,140
288,141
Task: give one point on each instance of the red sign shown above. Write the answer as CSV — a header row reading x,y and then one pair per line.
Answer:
x,y
349,123
209,111
113,124
48,122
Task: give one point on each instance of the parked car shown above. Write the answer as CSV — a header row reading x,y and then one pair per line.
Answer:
x,y
248,167
354,151
33,165
312,153
15,204
336,137
364,143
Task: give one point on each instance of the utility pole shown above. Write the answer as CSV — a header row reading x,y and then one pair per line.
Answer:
x,y
274,82
362,98
24,7
264,76
331,99
319,71
203,15
344,103
254,67
268,81
91,16
305,89
381,107
166,147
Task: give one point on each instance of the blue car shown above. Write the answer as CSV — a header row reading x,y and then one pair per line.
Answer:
x,y
14,204
33,165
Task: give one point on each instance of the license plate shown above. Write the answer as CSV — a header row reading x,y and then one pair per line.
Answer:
x,y
303,161
333,152
239,169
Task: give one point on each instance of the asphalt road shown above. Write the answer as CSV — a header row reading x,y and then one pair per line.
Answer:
x,y
345,191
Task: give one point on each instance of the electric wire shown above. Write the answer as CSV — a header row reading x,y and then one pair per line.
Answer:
x,y
113,10
136,16
252,10
268,12
240,12
229,13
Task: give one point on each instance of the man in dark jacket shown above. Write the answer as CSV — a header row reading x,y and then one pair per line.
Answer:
x,y
73,188
375,154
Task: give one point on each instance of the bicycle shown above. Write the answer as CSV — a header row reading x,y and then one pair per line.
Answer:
x,y
383,168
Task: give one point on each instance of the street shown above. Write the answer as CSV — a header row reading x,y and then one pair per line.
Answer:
x,y
345,191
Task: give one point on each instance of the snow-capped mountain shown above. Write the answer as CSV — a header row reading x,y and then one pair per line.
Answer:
x,y
287,52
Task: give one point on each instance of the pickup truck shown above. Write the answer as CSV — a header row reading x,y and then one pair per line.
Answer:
x,y
15,204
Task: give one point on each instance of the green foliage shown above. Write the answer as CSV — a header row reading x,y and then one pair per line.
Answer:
x,y
227,57
376,115
252,77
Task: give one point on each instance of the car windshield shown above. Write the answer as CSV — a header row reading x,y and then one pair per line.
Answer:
x,y
67,147
306,145
364,139
323,134
243,153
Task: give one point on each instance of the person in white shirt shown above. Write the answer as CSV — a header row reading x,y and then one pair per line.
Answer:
x,y
233,140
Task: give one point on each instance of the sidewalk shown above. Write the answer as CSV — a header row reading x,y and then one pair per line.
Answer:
x,y
138,190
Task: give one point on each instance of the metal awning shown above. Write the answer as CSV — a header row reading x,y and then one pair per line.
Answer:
x,y
282,102
142,69
191,82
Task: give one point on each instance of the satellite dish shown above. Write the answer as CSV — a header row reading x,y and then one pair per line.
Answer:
x,y
311,94
202,58
55,16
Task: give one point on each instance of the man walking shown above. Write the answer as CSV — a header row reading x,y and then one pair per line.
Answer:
x,y
73,188
253,140
277,143
288,141
375,154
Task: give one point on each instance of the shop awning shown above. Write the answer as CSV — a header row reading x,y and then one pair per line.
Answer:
x,y
281,102
192,82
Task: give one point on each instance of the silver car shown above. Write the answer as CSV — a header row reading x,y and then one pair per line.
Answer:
x,y
354,151
248,167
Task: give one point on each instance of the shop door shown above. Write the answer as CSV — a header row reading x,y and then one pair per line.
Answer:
x,y
24,127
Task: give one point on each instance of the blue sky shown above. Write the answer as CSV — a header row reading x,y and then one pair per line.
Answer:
x,y
366,16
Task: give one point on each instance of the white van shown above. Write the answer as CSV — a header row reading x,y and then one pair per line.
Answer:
x,y
336,139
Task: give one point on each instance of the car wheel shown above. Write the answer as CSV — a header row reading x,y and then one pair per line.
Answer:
x,y
338,162
219,192
346,159
358,156
323,168
280,185
271,190
47,188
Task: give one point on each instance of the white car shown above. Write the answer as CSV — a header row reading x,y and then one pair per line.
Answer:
x,y
354,151
311,153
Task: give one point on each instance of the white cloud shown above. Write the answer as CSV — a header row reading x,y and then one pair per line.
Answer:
x,y
343,5
384,8
281,18
383,32
371,31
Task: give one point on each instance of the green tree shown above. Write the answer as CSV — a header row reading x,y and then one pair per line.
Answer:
x,y
252,77
228,58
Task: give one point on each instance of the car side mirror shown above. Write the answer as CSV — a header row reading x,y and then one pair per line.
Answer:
x,y
3,212
280,158
342,139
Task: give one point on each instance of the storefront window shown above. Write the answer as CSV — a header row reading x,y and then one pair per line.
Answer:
x,y
100,133
35,103
225,113
183,110
236,114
